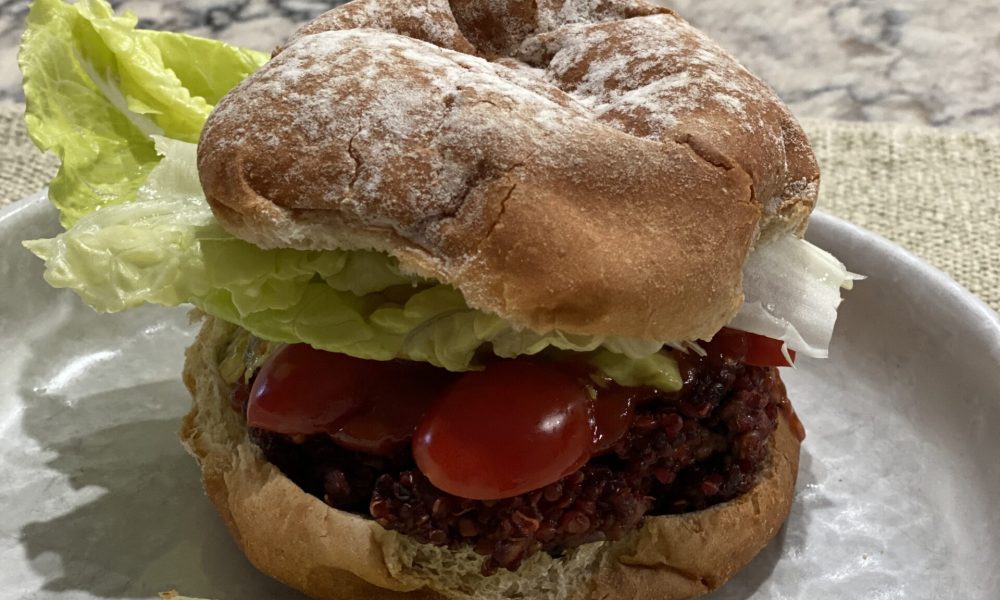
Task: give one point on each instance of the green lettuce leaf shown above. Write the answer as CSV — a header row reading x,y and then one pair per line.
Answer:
x,y
167,248
97,88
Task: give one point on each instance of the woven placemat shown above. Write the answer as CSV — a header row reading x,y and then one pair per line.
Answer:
x,y
935,192
23,169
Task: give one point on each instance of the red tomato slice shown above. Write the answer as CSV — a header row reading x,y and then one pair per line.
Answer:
x,y
514,427
753,349
766,352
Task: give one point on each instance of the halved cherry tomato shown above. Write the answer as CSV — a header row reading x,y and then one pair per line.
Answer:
x,y
367,405
753,349
514,427
388,423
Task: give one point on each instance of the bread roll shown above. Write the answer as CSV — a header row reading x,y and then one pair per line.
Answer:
x,y
600,168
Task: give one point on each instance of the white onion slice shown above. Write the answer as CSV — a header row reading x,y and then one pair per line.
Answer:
x,y
792,291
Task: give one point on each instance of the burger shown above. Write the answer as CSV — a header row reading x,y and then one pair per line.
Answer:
x,y
494,293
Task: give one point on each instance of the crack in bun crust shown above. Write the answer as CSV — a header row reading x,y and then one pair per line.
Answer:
x,y
333,555
594,166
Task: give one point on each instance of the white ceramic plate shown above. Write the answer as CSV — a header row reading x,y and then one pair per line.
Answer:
x,y
897,494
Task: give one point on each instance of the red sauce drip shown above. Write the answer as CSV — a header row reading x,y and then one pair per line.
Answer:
x,y
780,396
793,420
611,406
613,412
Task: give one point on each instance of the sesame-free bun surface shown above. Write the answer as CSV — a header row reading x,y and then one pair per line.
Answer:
x,y
334,555
601,168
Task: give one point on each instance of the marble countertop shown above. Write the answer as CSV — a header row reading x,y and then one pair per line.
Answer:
x,y
914,61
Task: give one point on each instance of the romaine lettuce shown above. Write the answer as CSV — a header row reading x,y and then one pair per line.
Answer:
x,y
97,88
792,291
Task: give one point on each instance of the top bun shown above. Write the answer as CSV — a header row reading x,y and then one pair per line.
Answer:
x,y
601,168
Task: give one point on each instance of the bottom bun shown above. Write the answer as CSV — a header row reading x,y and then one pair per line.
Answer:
x,y
331,554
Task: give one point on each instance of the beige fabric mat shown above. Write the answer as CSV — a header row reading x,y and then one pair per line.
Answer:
x,y
935,192
23,169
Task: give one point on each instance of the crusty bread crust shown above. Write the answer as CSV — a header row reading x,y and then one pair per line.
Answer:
x,y
333,555
602,168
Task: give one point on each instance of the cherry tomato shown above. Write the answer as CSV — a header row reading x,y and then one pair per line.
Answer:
x,y
390,419
514,427
753,349
366,405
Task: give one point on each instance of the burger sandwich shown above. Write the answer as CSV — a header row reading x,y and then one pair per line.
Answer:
x,y
494,293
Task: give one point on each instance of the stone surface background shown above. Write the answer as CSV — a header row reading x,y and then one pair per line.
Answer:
x,y
913,61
